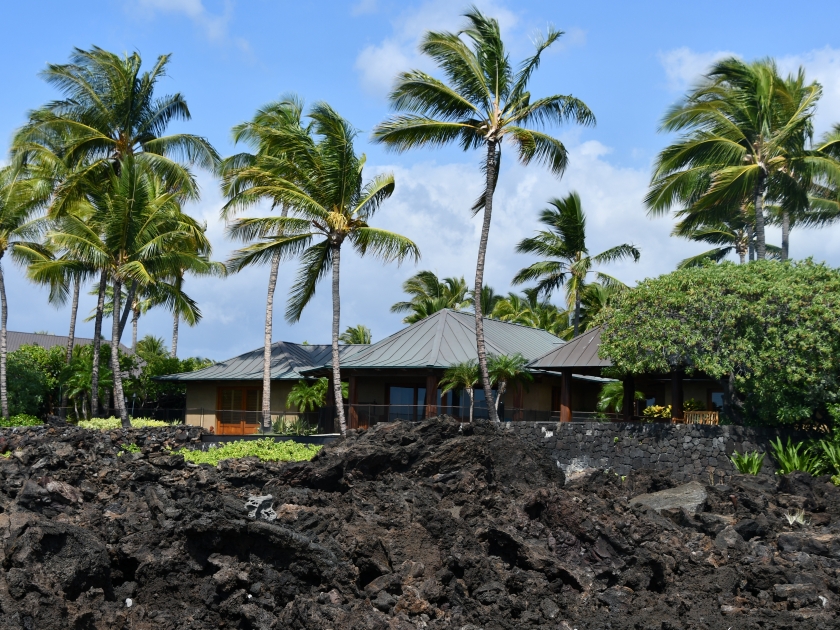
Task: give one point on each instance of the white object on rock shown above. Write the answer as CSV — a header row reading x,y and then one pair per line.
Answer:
x,y
128,602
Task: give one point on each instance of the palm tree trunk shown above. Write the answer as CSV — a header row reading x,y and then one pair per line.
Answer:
x,y
470,392
129,302
785,234
577,312
336,367
97,334
71,338
175,320
761,244
134,320
479,279
119,400
499,393
4,398
269,315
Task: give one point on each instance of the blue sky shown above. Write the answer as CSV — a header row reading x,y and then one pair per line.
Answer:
x,y
627,61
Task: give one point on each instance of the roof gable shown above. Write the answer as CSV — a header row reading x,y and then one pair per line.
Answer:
x,y
580,352
448,337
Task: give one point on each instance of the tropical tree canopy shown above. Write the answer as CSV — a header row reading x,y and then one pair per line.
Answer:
x,y
359,334
484,102
769,330
430,294
745,134
566,261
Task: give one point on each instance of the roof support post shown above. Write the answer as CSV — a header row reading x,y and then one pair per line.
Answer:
x,y
353,395
431,395
629,398
566,396
676,395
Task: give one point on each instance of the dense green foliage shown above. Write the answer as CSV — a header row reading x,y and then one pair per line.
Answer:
x,y
33,379
107,424
748,463
770,327
611,398
20,420
266,449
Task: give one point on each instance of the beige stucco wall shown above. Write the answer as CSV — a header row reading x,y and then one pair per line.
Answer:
x,y
202,399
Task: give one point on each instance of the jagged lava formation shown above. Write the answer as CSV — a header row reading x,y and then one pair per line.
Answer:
x,y
428,525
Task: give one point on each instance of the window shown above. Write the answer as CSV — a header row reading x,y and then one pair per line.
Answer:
x,y
715,401
406,402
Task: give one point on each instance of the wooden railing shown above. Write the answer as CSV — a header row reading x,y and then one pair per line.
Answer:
x,y
701,417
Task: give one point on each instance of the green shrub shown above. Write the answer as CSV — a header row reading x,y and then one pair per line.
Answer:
x,y
657,411
20,420
108,424
748,463
692,404
293,426
800,456
829,452
266,449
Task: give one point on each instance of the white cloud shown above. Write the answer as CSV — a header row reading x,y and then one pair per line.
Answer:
x,y
822,65
215,27
684,67
364,6
378,64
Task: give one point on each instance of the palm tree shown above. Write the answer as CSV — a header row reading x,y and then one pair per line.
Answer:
x,y
508,369
133,236
594,298
567,261
489,300
244,180
151,347
430,294
528,310
109,113
611,398
359,334
463,376
308,396
484,101
744,138
322,183
19,200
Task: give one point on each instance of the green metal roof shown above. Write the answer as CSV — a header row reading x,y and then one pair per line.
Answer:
x,y
448,337
580,352
287,361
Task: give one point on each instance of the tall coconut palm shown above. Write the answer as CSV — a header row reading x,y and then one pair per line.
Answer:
x,y
18,202
745,128
322,183
463,376
508,370
430,294
133,235
483,101
529,310
244,180
359,334
566,259
110,113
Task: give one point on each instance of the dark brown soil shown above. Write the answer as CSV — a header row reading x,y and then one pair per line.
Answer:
x,y
430,525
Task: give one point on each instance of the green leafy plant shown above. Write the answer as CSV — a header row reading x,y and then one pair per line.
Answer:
x,y
265,449
797,456
130,448
108,424
748,463
20,420
657,411
835,479
285,425
829,453
611,397
692,404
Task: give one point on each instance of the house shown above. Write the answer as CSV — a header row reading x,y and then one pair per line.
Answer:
x,y
397,377
581,357
227,397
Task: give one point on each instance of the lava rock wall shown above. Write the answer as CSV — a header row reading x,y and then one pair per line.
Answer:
x,y
688,451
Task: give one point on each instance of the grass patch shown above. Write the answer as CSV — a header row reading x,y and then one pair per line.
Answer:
x,y
20,420
107,424
266,449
